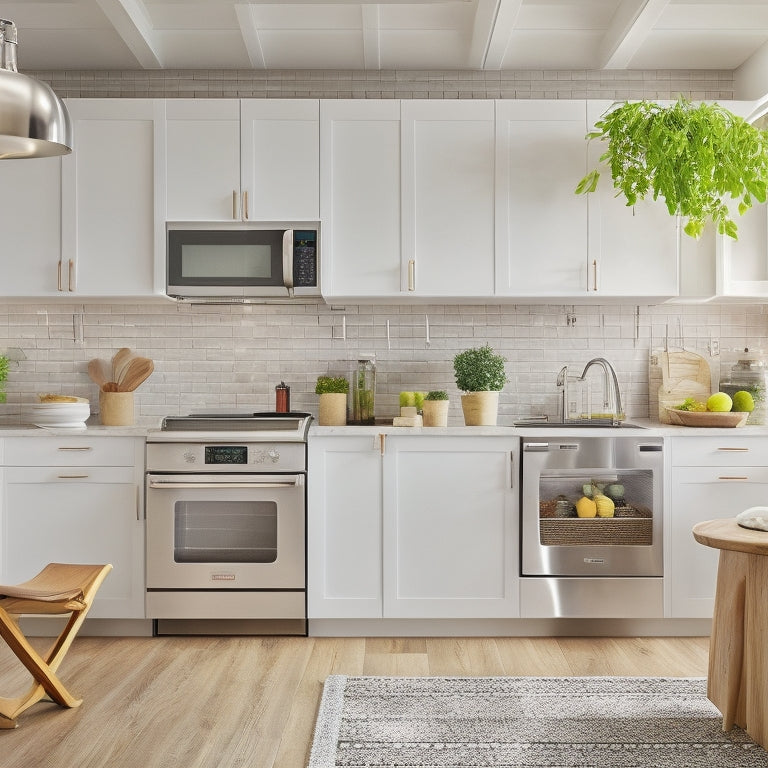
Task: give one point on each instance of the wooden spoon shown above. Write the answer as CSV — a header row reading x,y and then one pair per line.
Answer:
x,y
137,370
110,386
98,371
119,361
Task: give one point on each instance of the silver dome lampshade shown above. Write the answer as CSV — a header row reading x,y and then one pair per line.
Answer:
x,y
33,120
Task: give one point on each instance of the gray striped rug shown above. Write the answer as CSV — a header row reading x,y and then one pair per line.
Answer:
x,y
531,722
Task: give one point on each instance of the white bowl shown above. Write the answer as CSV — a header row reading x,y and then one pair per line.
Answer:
x,y
59,414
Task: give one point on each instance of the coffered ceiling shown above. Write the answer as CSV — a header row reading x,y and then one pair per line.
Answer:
x,y
395,34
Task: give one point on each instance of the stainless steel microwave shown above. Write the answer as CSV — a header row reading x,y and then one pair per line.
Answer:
x,y
241,261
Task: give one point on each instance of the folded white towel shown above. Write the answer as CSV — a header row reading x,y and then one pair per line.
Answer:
x,y
754,517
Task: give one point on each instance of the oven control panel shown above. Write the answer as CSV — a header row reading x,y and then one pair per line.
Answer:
x,y
226,457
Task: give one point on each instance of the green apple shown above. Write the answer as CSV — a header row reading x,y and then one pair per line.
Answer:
x,y
720,402
407,399
743,402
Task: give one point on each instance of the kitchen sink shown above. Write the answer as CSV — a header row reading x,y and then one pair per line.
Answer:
x,y
577,423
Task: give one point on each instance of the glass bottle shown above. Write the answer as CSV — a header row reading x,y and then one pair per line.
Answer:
x,y
364,390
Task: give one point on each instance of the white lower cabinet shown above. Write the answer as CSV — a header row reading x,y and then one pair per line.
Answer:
x,y
711,477
76,500
413,527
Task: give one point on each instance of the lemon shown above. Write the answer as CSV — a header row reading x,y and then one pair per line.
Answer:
x,y
720,402
743,402
605,506
586,507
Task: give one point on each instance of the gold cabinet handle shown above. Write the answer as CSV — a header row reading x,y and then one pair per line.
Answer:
x,y
382,443
412,275
58,276
733,449
234,204
71,274
732,477
594,274
72,477
245,204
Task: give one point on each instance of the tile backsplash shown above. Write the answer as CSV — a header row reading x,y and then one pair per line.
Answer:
x,y
232,357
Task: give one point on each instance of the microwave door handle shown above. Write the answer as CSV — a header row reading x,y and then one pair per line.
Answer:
x,y
288,261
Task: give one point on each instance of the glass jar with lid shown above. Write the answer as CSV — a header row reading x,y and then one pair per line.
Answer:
x,y
364,390
747,373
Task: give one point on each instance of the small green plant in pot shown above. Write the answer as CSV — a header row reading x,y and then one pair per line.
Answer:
x,y
333,392
434,409
481,376
697,158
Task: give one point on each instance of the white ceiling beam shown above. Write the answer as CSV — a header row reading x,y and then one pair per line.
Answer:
x,y
250,33
371,19
131,21
750,80
630,26
495,22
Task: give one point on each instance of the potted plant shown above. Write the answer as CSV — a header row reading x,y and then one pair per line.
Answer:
x,y
480,375
333,392
4,364
695,157
434,409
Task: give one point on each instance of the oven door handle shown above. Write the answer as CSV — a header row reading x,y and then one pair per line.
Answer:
x,y
292,481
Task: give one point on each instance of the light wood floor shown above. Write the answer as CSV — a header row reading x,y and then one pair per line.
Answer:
x,y
235,702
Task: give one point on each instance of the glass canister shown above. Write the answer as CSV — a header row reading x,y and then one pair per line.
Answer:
x,y
749,373
364,390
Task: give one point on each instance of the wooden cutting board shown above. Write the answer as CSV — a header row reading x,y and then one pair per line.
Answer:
x,y
683,374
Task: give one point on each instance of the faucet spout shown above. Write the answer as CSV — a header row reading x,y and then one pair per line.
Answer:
x,y
611,383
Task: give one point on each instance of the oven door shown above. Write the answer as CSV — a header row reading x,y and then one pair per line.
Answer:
x,y
225,531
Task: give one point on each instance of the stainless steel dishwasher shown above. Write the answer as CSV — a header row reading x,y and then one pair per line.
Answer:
x,y
600,566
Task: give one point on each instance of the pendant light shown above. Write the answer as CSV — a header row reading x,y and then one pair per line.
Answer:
x,y
33,120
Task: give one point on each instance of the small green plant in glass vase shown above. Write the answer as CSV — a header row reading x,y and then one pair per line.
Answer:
x,y
4,366
700,159
480,374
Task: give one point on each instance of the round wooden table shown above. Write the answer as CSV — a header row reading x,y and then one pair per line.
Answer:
x,y
737,681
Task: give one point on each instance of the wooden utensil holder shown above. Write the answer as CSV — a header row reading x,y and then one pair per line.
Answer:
x,y
116,409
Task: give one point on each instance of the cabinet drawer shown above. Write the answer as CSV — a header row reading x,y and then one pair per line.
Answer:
x,y
721,451
69,475
79,451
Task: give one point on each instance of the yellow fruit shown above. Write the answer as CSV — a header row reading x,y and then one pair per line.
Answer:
x,y
720,402
605,506
743,402
586,507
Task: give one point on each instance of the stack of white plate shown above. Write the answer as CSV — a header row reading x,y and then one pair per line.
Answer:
x,y
60,414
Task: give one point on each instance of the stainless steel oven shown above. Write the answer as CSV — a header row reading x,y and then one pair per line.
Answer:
x,y
575,562
226,522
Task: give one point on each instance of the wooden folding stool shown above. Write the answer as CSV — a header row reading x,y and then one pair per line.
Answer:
x,y
59,588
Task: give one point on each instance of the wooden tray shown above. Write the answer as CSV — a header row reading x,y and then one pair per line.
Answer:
x,y
707,418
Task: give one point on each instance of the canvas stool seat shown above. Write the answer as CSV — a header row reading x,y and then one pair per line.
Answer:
x,y
60,588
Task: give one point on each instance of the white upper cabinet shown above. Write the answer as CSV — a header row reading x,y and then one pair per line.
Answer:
x,y
202,159
241,160
633,251
108,214
30,199
360,197
448,171
541,225
280,159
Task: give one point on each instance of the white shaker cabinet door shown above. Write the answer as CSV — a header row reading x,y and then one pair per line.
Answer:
x,y
633,251
360,197
451,528
448,199
201,172
541,225
30,201
280,159
108,200
344,528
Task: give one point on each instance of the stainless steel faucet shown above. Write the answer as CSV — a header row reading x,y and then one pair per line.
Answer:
x,y
610,380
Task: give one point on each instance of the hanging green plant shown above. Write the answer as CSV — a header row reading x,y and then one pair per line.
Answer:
x,y
695,157
4,365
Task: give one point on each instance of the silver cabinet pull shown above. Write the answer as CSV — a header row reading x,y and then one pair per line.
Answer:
x,y
732,477
74,448
594,274
412,275
58,277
